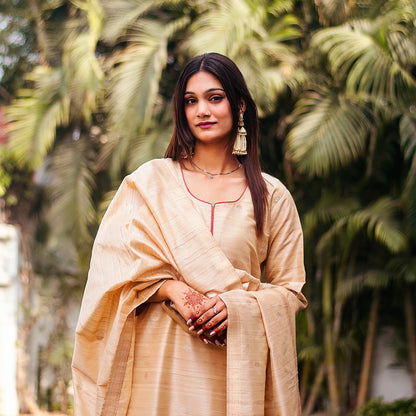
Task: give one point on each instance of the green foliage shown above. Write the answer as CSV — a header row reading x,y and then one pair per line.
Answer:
x,y
5,177
17,40
376,407
335,85
330,131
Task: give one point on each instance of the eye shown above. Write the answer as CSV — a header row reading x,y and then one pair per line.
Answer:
x,y
216,98
190,101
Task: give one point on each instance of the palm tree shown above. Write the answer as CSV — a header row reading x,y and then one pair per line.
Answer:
x,y
343,123
98,105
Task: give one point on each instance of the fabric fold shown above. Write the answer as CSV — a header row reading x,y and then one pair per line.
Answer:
x,y
148,236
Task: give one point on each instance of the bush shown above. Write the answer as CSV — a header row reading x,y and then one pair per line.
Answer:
x,y
376,407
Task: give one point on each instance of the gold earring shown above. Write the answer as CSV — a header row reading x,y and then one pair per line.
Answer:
x,y
240,144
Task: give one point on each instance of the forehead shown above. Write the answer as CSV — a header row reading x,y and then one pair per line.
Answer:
x,y
201,82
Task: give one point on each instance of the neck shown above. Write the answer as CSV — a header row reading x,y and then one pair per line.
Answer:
x,y
214,160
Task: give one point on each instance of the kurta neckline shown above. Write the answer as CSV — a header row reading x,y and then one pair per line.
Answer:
x,y
189,192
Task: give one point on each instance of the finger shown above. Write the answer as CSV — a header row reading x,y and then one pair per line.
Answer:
x,y
220,339
214,320
204,339
220,328
210,302
205,317
199,317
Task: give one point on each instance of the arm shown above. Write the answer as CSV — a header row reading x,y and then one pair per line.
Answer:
x,y
284,263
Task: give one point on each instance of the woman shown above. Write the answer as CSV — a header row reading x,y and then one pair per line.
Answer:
x,y
175,319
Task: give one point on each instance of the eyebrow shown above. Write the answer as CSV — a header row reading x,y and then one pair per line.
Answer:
x,y
209,90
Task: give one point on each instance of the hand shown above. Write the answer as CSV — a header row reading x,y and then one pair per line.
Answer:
x,y
211,322
188,302
197,310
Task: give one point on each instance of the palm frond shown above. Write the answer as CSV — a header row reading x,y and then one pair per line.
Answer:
x,y
329,209
106,200
136,76
146,147
329,131
310,353
223,27
278,7
358,53
356,284
72,210
380,221
280,70
404,268
408,145
83,74
95,15
257,37
36,113
121,15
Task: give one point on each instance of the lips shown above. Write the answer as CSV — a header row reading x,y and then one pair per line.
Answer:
x,y
206,125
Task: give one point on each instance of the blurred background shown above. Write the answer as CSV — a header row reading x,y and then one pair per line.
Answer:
x,y
85,98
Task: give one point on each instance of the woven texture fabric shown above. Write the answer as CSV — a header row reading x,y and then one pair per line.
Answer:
x,y
132,357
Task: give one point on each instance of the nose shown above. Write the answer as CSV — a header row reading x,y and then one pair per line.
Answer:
x,y
203,109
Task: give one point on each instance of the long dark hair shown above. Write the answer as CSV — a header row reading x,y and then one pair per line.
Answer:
x,y
183,142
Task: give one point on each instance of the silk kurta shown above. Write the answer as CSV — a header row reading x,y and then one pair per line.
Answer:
x,y
133,357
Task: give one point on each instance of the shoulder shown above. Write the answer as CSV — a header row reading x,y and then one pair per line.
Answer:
x,y
279,197
282,207
275,187
151,167
151,170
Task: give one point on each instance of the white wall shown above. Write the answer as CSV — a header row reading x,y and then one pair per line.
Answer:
x,y
8,319
389,379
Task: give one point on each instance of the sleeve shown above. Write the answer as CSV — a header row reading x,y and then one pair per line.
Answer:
x,y
284,263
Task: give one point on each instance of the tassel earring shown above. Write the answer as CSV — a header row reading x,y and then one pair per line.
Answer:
x,y
240,144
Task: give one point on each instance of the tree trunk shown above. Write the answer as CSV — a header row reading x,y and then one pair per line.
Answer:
x,y
304,381
368,349
411,334
329,345
316,388
371,153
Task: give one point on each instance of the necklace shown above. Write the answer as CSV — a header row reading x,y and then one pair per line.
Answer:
x,y
211,175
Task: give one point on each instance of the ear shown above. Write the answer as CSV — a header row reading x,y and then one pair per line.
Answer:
x,y
242,107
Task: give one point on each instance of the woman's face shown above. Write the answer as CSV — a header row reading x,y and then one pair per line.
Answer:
x,y
207,109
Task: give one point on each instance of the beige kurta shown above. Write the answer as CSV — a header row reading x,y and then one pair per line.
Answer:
x,y
143,361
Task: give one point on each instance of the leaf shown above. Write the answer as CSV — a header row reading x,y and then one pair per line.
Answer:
x,y
72,181
35,115
329,132
356,284
359,54
136,76
123,14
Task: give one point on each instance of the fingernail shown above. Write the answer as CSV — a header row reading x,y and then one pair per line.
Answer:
x,y
191,328
200,332
189,321
217,343
212,332
203,339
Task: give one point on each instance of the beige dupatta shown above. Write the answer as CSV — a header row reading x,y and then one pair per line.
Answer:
x,y
158,236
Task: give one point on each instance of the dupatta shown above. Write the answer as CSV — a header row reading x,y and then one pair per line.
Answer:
x,y
150,233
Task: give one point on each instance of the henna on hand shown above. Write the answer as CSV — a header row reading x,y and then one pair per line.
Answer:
x,y
193,300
